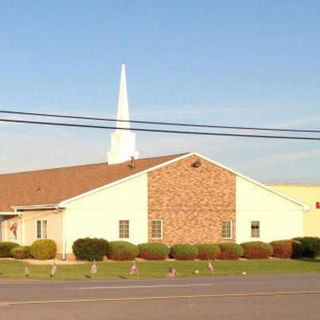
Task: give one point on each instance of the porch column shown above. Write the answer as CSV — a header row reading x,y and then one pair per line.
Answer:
x,y
6,230
23,234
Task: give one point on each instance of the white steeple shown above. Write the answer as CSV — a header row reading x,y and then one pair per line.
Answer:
x,y
122,141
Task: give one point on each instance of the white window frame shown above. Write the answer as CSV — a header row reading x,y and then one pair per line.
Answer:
x,y
161,230
128,229
226,238
259,229
42,234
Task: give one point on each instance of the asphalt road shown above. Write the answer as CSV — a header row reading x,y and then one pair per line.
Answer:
x,y
230,297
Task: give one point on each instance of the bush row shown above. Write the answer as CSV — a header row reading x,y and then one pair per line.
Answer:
x,y
310,246
96,249
122,250
40,249
83,249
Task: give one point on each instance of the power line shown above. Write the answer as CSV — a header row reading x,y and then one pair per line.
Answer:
x,y
159,122
159,130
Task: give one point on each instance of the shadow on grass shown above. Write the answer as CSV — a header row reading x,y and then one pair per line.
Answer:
x,y
122,277
309,259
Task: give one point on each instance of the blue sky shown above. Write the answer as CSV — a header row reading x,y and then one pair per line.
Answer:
x,y
246,63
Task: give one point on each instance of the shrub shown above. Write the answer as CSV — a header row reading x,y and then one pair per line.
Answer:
x,y
5,248
256,250
90,249
297,249
21,252
282,248
208,251
122,250
153,251
43,249
311,246
184,251
230,251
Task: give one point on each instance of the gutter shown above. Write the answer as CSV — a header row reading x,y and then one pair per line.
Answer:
x,y
37,207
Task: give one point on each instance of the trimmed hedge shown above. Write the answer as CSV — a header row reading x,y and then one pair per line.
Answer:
x,y
230,251
5,248
21,252
282,248
310,245
153,251
297,249
122,250
208,251
184,251
43,249
257,250
90,249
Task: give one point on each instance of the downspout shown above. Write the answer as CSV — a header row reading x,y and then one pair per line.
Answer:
x,y
6,230
23,233
64,240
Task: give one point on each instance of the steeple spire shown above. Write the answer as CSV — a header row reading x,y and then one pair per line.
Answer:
x,y
123,106
122,141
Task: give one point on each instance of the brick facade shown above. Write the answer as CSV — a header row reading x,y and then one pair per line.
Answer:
x,y
192,201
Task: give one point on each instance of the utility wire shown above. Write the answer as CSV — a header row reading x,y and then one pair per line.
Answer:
x,y
159,130
158,122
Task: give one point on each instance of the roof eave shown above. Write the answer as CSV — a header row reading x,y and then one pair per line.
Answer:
x,y
36,207
297,202
65,202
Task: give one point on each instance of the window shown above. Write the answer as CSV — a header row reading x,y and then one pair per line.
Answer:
x,y
255,229
123,229
41,229
156,229
226,229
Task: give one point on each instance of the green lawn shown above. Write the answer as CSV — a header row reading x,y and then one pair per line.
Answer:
x,y
120,270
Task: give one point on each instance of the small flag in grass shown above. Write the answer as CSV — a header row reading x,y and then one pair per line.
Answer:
x,y
94,268
26,270
210,266
53,270
134,269
172,272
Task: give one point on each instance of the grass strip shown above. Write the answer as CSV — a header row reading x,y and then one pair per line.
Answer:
x,y
158,269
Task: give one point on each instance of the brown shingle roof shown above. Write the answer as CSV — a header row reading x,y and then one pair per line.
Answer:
x,y
52,186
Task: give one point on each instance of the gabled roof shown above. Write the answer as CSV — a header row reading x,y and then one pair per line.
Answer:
x,y
51,186
182,156
263,186
55,187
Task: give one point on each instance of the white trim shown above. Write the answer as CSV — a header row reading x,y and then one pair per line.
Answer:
x,y
23,233
64,203
161,237
6,230
305,207
11,213
35,207
231,233
67,201
41,231
64,241
258,229
120,230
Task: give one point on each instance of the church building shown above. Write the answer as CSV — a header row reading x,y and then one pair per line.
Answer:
x,y
180,198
